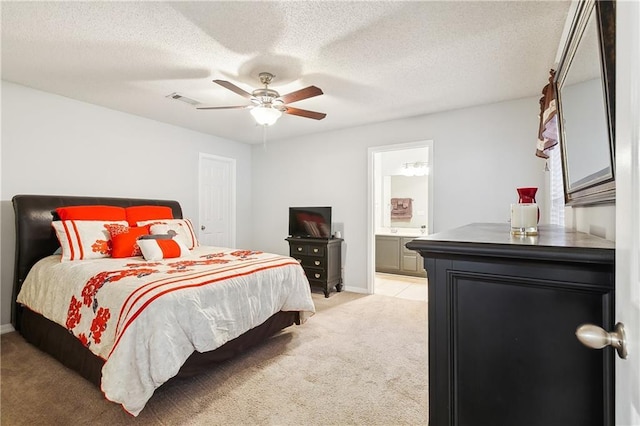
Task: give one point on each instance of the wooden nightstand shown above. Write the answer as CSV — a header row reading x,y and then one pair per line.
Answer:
x,y
321,260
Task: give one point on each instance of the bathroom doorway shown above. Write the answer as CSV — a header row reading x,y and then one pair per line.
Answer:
x,y
400,208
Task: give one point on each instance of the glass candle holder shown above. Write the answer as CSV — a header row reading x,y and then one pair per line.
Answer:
x,y
524,219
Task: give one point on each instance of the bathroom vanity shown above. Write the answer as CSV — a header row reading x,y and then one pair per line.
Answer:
x,y
393,257
503,311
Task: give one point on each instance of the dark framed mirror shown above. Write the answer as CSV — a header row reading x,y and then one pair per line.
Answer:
x,y
585,91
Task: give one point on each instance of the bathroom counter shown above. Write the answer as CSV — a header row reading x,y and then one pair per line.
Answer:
x,y
393,257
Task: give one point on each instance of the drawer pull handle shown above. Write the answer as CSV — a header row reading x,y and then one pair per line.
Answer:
x,y
299,260
299,248
315,250
317,275
317,262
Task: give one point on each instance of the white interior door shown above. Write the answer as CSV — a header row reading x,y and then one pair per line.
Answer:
x,y
628,208
217,201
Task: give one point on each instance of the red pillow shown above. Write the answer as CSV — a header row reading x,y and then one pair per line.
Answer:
x,y
137,214
105,213
124,240
170,248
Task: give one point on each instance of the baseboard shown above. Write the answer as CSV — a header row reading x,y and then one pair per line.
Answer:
x,y
356,290
6,328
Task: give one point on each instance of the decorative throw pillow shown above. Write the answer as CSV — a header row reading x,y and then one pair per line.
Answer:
x,y
124,240
182,227
162,249
84,239
104,213
137,214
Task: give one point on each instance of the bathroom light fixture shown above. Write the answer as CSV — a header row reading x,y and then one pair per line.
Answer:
x,y
266,114
418,168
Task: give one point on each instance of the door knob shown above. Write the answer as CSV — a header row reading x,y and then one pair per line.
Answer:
x,y
595,337
203,227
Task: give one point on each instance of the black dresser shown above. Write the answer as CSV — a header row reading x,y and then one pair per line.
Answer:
x,y
321,260
503,311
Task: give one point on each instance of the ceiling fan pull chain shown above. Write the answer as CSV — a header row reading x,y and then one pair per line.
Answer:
x,y
264,137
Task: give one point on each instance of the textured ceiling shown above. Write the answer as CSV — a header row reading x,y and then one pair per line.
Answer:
x,y
375,61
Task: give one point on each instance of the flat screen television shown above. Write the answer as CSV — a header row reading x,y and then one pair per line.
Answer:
x,y
310,222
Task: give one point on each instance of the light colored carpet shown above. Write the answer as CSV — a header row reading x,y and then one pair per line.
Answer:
x,y
360,360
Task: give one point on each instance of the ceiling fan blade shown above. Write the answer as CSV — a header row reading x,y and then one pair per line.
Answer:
x,y
233,88
227,107
298,95
305,113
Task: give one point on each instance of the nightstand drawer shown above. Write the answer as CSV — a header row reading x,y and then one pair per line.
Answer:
x,y
315,274
298,249
315,250
312,262
306,249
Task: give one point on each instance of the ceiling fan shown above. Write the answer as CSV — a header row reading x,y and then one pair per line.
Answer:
x,y
267,105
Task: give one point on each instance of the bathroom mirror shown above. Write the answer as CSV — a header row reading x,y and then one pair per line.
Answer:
x,y
585,89
415,188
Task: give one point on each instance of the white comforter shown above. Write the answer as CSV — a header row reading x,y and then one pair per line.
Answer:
x,y
145,318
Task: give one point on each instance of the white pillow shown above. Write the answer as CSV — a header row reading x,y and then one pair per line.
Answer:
x,y
182,227
84,239
162,249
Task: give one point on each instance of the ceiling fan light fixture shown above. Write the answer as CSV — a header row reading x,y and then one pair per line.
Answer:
x,y
267,105
265,115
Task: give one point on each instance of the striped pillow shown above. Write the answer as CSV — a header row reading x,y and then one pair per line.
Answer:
x,y
84,239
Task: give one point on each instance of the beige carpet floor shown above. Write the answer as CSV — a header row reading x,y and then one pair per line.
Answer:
x,y
360,360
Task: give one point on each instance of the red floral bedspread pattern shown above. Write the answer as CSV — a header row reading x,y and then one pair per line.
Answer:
x,y
87,303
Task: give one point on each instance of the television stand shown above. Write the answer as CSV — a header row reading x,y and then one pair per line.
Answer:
x,y
321,260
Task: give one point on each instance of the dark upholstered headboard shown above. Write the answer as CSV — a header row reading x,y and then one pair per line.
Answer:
x,y
35,238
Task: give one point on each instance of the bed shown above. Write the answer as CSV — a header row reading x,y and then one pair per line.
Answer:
x,y
212,272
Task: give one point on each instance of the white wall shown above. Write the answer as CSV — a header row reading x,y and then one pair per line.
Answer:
x,y
481,155
56,145
599,221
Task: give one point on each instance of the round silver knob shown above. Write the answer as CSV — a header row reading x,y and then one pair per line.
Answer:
x,y
595,337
